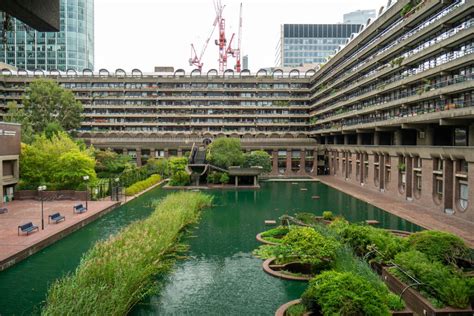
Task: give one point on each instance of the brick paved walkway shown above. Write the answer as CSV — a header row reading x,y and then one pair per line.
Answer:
x,y
20,212
414,213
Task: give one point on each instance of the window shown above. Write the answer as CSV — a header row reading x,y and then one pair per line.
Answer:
x,y
439,187
463,195
418,181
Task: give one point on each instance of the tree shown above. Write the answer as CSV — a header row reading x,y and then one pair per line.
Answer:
x,y
259,158
109,163
177,164
225,152
159,166
58,162
15,114
45,102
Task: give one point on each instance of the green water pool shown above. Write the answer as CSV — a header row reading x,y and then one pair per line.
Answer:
x,y
219,276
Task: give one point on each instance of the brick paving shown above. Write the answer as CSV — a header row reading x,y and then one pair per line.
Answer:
x,y
21,212
416,214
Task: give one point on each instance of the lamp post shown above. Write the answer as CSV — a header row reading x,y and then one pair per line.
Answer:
x,y
86,179
42,188
116,188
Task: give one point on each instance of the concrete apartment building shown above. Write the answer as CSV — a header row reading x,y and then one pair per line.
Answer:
x,y
391,112
9,159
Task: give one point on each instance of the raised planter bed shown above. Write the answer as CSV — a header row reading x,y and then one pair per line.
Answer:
x,y
281,311
277,270
416,301
263,241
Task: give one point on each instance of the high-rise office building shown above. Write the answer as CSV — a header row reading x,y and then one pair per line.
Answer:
x,y
245,62
310,43
71,48
359,16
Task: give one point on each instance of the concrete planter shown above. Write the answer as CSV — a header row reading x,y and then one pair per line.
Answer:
x,y
263,241
276,270
416,301
281,311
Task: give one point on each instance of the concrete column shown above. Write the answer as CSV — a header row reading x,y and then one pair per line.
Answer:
x,y
326,140
346,139
409,178
397,137
139,157
152,153
315,162
125,151
288,163
302,161
425,137
370,183
359,139
274,162
180,152
255,182
166,152
471,135
236,181
331,162
376,138
382,173
1,181
448,188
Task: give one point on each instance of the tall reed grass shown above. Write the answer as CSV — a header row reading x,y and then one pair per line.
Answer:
x,y
117,273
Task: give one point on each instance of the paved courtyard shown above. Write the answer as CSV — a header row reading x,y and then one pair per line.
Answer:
x,y
21,212
416,214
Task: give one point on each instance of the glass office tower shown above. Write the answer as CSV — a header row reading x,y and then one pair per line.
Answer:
x,y
310,43
71,48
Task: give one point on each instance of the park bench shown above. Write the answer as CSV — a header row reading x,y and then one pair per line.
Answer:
x,y
27,228
56,218
79,208
3,210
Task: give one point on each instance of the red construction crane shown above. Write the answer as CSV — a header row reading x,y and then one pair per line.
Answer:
x,y
195,59
235,52
224,49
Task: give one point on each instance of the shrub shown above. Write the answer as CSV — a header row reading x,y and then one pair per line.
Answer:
x,y
307,218
180,178
364,239
439,245
343,293
327,215
159,166
224,179
258,158
443,282
214,177
346,261
177,164
302,244
118,272
142,185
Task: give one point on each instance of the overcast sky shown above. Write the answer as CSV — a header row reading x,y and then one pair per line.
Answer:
x,y
146,33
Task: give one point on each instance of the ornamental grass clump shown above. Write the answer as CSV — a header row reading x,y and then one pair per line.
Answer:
x,y
139,186
120,271
275,234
